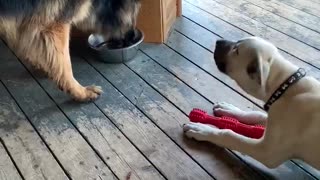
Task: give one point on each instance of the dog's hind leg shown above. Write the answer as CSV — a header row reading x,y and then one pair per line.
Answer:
x,y
247,117
48,49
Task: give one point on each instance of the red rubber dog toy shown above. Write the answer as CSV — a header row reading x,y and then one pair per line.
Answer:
x,y
251,131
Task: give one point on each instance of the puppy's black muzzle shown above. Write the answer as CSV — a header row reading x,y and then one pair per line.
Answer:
x,y
220,53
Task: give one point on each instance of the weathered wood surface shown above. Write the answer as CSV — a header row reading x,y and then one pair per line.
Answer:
x,y
278,23
133,131
64,140
213,12
309,6
28,151
7,169
169,118
164,154
204,41
119,153
289,12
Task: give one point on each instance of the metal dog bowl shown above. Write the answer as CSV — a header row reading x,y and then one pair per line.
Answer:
x,y
104,51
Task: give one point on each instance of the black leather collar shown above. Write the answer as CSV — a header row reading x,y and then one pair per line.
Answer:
x,y
299,74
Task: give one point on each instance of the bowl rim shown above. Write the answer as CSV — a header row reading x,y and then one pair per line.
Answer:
x,y
117,49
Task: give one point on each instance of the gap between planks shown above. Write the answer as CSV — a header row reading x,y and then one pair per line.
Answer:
x,y
218,13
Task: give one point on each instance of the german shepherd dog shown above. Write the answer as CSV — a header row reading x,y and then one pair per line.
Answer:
x,y
38,31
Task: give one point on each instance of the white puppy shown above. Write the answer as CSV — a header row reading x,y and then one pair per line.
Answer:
x,y
292,102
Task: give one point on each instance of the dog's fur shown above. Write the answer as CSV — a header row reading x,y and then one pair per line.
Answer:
x,y
38,31
292,128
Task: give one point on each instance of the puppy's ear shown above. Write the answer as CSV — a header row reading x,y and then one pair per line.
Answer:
x,y
257,71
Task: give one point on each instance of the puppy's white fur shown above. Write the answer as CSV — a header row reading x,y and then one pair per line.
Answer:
x,y
292,128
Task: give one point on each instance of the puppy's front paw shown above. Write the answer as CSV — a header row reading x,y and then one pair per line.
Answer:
x,y
198,131
225,109
225,106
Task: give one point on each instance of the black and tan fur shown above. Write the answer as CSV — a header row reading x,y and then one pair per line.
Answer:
x,y
38,31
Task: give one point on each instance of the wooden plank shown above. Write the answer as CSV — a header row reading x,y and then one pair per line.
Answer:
x,y
113,146
216,12
28,151
311,7
191,30
195,77
164,154
182,43
301,33
204,59
7,169
315,1
219,163
207,39
288,12
202,82
73,152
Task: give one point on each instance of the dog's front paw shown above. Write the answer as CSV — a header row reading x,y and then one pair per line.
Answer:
x,y
198,131
93,92
89,93
225,106
225,109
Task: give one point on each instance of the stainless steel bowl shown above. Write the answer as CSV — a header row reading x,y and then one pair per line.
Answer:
x,y
114,55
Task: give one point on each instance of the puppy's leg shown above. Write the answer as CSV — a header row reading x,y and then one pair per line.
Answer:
x,y
221,137
48,49
256,148
247,117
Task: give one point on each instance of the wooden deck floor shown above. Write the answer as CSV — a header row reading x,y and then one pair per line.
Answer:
x,y
133,131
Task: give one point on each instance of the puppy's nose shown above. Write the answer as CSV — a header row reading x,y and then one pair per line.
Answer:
x,y
224,43
222,48
220,53
220,42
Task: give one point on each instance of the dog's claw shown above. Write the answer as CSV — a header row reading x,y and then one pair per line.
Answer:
x,y
96,89
93,92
